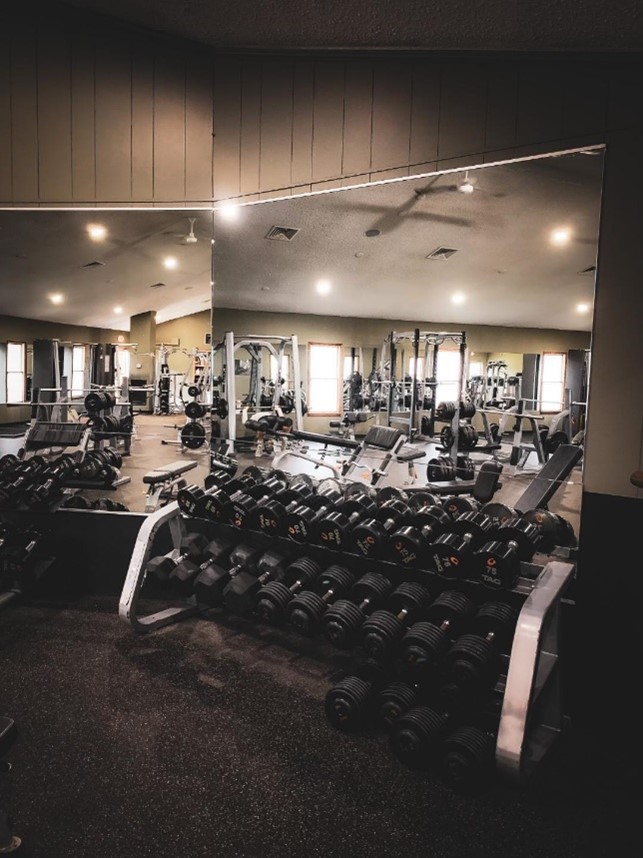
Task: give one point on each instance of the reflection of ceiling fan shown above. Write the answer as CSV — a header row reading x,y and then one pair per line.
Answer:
x,y
190,238
466,185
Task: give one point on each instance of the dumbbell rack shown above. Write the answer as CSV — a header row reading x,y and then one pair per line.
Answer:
x,y
532,714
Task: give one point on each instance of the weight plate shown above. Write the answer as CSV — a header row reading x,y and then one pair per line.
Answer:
x,y
389,492
193,436
354,490
194,410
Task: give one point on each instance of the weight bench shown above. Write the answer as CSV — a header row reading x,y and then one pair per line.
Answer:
x,y
482,488
550,478
164,483
385,445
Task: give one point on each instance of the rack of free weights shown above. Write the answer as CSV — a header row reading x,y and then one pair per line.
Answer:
x,y
477,672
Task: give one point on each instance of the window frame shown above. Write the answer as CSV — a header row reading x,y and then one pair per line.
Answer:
x,y
338,380
551,409
22,372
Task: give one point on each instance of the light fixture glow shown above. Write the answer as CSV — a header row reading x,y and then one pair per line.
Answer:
x,y
171,262
458,298
118,310
56,298
582,308
96,231
560,236
229,212
323,287
466,186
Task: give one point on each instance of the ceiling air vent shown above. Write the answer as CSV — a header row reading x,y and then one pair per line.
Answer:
x,y
282,233
590,270
93,264
156,285
442,253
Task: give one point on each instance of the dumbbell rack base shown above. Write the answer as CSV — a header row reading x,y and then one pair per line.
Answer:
x,y
532,714
97,484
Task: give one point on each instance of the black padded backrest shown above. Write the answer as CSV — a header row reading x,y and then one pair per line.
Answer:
x,y
486,482
545,485
383,437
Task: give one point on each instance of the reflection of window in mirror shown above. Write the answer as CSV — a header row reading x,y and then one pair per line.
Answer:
x,y
16,372
552,382
448,376
420,367
324,385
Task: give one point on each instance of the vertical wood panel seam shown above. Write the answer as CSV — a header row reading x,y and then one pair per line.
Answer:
x,y
312,120
439,123
519,80
185,129
71,117
341,159
37,68
154,125
486,111
262,78
11,52
292,119
414,70
370,146
131,126
94,128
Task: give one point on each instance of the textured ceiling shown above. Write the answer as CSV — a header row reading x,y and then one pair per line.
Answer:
x,y
545,25
505,264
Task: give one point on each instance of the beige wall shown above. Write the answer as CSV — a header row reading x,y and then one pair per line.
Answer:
x,y
132,117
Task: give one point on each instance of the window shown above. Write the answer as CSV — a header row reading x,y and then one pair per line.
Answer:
x,y
552,382
475,368
351,365
448,377
284,368
16,372
418,376
324,385
77,371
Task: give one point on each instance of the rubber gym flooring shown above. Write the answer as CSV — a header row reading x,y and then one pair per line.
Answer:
x,y
208,738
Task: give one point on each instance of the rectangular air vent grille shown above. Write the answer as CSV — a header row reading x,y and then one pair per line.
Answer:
x,y
282,233
95,263
442,253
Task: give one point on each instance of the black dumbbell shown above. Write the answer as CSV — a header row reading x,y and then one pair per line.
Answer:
x,y
217,478
54,477
451,554
108,505
395,699
422,498
466,757
30,467
243,504
382,631
416,735
498,512
306,610
240,593
215,504
409,545
497,562
11,493
343,619
269,516
16,551
349,702
8,462
193,545
301,522
473,661
426,641
553,529
184,574
213,576
334,528
369,537
456,505
273,599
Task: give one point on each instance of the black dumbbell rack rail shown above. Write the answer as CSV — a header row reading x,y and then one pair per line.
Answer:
x,y
532,714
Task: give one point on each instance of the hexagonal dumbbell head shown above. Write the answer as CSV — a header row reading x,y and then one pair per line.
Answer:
x,y
239,595
305,611
272,600
342,620
383,630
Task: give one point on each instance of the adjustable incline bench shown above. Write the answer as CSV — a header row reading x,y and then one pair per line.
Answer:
x,y
550,478
164,483
383,445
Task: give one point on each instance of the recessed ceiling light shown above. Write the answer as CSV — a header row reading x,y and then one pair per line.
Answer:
x,y
96,231
359,254
560,236
171,262
265,288
118,310
229,212
323,287
458,298
56,298
582,308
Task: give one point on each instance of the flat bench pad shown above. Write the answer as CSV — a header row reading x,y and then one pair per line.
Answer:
x,y
168,472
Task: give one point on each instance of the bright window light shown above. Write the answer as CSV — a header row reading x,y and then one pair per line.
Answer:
x,y
420,367
77,371
324,384
448,376
284,368
323,287
96,231
351,365
560,236
16,375
552,382
475,368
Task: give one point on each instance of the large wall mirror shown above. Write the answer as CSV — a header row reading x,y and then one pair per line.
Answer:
x,y
505,253
116,299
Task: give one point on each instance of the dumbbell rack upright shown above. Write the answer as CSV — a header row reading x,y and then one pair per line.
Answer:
x,y
532,715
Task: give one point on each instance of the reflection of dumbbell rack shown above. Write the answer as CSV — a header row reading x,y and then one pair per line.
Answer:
x,y
458,435
99,469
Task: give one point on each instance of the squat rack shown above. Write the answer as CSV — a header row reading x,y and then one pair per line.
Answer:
x,y
282,349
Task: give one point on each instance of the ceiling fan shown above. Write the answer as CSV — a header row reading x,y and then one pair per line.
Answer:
x,y
190,238
466,185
